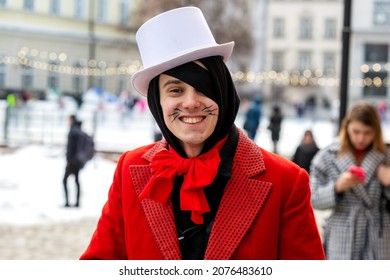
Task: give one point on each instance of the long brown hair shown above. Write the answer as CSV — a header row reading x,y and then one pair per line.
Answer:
x,y
368,115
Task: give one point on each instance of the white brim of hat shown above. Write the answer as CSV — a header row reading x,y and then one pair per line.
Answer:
x,y
142,78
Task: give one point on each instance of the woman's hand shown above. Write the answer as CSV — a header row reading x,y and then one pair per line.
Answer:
x,y
383,174
346,181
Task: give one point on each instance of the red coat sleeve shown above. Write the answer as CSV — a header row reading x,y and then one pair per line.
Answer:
x,y
108,239
122,231
299,235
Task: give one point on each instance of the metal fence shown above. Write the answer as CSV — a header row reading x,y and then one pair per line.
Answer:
x,y
45,122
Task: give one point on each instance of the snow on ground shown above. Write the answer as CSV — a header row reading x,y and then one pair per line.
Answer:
x,y
31,189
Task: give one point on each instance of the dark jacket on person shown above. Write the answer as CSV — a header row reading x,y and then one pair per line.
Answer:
x,y
252,118
72,145
275,124
304,155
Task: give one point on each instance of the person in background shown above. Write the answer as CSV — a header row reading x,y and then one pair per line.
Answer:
x,y
73,165
253,117
382,107
346,177
305,151
300,109
12,106
11,100
26,96
275,125
205,191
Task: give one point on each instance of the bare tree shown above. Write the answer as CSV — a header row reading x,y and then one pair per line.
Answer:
x,y
228,21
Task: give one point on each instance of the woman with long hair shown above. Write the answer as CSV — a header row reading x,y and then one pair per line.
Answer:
x,y
351,178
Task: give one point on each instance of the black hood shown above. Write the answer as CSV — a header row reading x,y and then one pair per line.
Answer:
x,y
224,94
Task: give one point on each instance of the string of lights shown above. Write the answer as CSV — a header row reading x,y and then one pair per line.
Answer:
x,y
52,62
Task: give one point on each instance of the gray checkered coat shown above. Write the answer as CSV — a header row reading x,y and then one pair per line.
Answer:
x,y
359,226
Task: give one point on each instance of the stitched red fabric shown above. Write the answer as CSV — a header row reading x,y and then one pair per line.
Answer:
x,y
198,172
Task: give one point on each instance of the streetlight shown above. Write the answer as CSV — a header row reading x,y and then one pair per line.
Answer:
x,y
345,61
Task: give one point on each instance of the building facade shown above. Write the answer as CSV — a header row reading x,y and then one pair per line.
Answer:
x,y
303,51
70,46
370,52
66,47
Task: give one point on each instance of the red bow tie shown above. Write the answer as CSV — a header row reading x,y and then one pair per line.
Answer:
x,y
198,172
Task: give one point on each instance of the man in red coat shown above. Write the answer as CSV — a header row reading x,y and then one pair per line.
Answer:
x,y
206,191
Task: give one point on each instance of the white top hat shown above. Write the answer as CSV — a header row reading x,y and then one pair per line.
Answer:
x,y
171,39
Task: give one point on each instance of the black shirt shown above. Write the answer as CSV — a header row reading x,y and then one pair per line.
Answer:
x,y
193,238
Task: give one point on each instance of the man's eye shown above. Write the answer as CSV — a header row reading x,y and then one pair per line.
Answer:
x,y
176,90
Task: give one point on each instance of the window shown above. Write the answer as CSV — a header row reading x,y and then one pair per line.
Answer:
x,y
55,7
373,87
124,10
376,53
79,9
28,5
77,84
305,28
329,64
53,78
77,81
278,61
2,75
381,13
101,82
330,28
27,77
304,61
121,83
101,11
278,28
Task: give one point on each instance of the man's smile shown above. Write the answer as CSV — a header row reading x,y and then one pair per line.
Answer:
x,y
192,120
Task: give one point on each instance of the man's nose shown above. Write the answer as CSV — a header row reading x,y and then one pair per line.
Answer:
x,y
191,98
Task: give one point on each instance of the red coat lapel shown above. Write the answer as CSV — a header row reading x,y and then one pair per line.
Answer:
x,y
160,217
234,217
